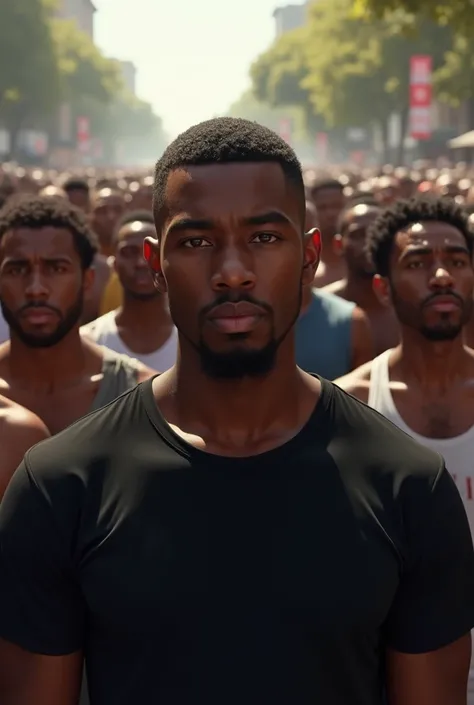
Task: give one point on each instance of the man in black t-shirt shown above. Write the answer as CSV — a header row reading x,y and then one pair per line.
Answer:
x,y
234,530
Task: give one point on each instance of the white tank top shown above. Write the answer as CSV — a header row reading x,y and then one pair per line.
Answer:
x,y
103,331
458,452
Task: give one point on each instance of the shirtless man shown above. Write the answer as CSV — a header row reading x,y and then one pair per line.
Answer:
x,y
46,253
19,430
328,198
357,285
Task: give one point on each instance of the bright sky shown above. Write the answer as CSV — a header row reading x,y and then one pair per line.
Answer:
x,y
192,56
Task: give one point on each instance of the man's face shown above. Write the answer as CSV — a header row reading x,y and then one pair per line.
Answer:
x,y
432,280
107,209
130,265
329,204
233,260
79,198
353,239
41,284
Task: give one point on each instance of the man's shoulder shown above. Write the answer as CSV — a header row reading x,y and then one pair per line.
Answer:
x,y
95,435
97,326
357,382
378,444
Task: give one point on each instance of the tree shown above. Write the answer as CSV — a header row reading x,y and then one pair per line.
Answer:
x,y
458,14
84,71
352,71
29,75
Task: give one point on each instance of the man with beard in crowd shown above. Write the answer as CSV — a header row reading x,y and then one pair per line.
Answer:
x,y
234,530
422,251
141,327
46,253
328,198
357,285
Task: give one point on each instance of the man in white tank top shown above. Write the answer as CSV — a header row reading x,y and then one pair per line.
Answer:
x,y
422,251
141,327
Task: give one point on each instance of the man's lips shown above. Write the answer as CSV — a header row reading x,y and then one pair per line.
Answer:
x,y
240,317
38,316
444,304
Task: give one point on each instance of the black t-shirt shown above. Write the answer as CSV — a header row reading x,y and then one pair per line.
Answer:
x,y
189,578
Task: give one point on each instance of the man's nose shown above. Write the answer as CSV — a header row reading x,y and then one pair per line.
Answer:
x,y
233,269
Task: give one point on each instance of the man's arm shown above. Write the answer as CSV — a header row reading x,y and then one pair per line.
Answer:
x,y
27,678
20,429
435,678
42,610
362,343
428,628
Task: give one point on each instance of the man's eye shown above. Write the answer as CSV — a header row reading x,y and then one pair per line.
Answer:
x,y
196,242
265,238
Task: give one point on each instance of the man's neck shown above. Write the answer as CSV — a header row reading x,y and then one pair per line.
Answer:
x,y
361,292
233,411
430,364
48,367
135,313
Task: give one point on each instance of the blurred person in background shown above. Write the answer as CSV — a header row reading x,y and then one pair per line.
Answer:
x,y
141,327
78,192
327,195
107,208
46,253
357,286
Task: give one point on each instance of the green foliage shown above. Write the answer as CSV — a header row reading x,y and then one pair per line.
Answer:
x,y
84,71
250,108
351,70
29,76
458,14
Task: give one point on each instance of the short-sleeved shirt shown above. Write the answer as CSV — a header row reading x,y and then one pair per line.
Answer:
x,y
192,578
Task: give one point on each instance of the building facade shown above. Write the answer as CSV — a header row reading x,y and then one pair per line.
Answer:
x,y
289,17
82,11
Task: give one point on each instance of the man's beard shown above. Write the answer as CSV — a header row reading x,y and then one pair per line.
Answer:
x,y
444,331
67,322
140,296
244,362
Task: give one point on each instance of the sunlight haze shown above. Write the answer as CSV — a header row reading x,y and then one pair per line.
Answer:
x,y
192,56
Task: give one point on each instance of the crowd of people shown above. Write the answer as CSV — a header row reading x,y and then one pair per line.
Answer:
x,y
187,322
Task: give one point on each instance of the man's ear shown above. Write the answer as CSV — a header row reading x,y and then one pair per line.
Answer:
x,y
312,255
381,287
151,252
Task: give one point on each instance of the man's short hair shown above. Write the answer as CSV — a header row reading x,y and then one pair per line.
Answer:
x,y
226,140
325,185
406,213
37,212
76,184
143,216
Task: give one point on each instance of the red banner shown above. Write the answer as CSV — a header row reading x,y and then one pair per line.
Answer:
x,y
421,97
83,134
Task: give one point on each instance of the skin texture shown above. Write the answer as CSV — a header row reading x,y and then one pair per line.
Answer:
x,y
58,383
432,381
19,430
329,204
143,321
357,285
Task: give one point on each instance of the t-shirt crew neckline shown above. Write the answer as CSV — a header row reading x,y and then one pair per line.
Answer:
x,y
313,430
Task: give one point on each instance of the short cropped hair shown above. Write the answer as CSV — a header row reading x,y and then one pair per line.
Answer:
x,y
75,184
408,212
143,216
35,212
325,185
226,140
